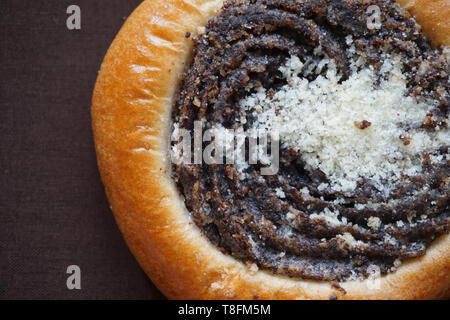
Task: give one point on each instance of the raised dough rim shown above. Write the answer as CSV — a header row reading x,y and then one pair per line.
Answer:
x,y
206,273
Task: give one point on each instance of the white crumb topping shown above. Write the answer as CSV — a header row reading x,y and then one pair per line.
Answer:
x,y
352,129
400,224
290,216
280,194
330,217
305,192
374,222
322,186
390,240
350,241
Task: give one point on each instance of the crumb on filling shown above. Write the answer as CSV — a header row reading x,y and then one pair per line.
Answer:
x,y
352,129
364,175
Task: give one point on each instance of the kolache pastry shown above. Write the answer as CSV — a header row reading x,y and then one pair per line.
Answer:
x,y
351,99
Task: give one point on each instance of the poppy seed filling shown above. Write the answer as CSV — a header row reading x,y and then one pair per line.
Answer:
x,y
300,222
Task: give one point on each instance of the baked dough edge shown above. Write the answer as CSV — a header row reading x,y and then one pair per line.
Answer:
x,y
131,117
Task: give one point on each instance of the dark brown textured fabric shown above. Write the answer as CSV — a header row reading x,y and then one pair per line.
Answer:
x,y
53,210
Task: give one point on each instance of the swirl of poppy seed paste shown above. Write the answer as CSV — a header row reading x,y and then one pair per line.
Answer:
x,y
241,50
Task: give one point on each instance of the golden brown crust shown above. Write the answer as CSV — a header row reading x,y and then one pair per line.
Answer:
x,y
131,113
433,16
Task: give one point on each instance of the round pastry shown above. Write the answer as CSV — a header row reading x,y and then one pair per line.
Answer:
x,y
281,149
